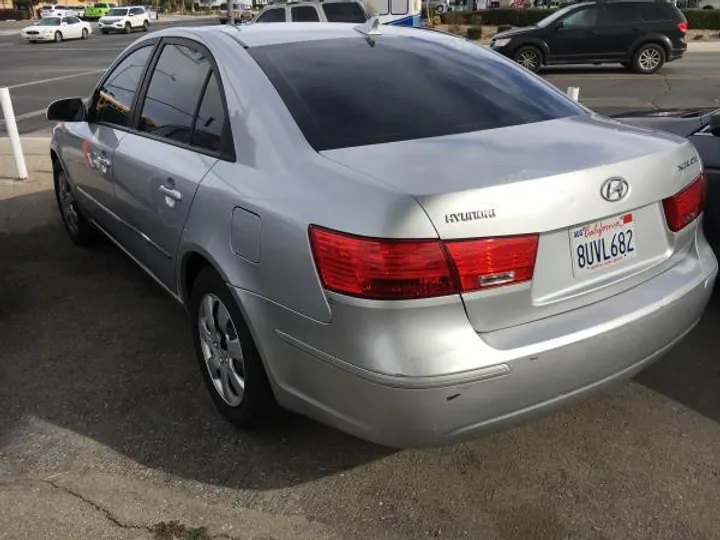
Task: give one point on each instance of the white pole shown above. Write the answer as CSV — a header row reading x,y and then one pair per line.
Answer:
x,y
573,92
9,116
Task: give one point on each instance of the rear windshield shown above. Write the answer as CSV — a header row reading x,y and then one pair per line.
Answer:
x,y
349,92
346,12
118,12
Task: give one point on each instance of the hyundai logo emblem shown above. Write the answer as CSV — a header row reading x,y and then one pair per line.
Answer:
x,y
614,189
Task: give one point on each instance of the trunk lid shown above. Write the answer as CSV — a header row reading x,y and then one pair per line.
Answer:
x,y
545,178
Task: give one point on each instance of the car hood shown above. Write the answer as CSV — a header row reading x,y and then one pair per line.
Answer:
x,y
683,122
514,32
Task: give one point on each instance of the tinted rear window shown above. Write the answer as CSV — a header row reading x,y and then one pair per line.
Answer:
x,y
347,12
660,12
347,92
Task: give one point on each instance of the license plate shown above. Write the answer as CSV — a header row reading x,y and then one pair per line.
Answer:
x,y
603,244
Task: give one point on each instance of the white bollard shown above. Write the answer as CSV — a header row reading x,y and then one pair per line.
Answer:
x,y
9,116
573,92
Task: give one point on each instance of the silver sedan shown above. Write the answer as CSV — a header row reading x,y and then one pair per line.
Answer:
x,y
390,230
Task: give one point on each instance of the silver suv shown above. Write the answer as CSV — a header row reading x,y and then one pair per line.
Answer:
x,y
393,231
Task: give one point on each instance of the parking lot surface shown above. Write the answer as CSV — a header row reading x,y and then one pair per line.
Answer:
x,y
106,430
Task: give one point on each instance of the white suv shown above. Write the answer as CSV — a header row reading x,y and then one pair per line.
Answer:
x,y
347,11
57,10
125,19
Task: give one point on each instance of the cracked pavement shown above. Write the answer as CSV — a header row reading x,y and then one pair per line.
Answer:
x,y
106,429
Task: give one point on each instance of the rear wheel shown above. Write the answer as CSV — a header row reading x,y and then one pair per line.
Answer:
x,y
58,37
84,33
529,57
128,28
229,360
649,58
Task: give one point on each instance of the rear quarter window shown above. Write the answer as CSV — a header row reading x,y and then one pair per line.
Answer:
x,y
346,12
347,92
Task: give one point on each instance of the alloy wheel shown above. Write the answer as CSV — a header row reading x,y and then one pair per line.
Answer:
x,y
221,349
68,206
649,59
529,60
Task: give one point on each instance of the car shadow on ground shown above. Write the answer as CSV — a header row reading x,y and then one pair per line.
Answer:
x,y
91,344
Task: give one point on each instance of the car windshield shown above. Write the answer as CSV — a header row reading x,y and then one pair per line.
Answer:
x,y
555,16
50,21
118,12
353,92
99,5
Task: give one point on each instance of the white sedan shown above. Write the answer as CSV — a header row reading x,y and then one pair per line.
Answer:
x,y
57,29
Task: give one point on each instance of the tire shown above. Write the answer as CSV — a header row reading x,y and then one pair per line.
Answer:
x,y
127,28
529,57
105,32
212,340
58,37
84,33
79,229
649,58
32,42
146,26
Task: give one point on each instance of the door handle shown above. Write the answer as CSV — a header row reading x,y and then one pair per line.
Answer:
x,y
170,192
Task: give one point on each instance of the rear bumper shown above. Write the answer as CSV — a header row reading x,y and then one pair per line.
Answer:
x,y
545,365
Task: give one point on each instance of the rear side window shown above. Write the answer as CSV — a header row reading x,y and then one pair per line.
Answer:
x,y
115,97
350,92
174,92
621,14
346,12
272,15
305,14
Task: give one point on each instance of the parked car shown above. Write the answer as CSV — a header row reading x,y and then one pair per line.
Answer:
x,y
339,11
393,231
640,35
125,19
56,29
97,10
709,4
57,10
701,126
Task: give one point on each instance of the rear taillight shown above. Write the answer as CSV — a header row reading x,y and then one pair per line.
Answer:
x,y
685,206
682,26
492,262
385,269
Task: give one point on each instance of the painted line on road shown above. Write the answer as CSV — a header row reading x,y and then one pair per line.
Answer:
x,y
53,79
631,77
61,49
25,116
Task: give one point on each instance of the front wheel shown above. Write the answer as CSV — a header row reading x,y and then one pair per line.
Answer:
x,y
58,37
529,57
77,227
104,31
229,360
128,28
649,58
84,33
146,26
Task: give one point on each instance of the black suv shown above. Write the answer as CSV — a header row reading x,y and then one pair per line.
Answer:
x,y
641,35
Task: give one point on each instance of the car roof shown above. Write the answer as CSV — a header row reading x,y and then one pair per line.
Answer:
x,y
257,35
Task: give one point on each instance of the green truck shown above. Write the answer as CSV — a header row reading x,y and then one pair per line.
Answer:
x,y
94,12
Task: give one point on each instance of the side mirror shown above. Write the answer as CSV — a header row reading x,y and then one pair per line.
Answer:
x,y
715,124
67,110
559,26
